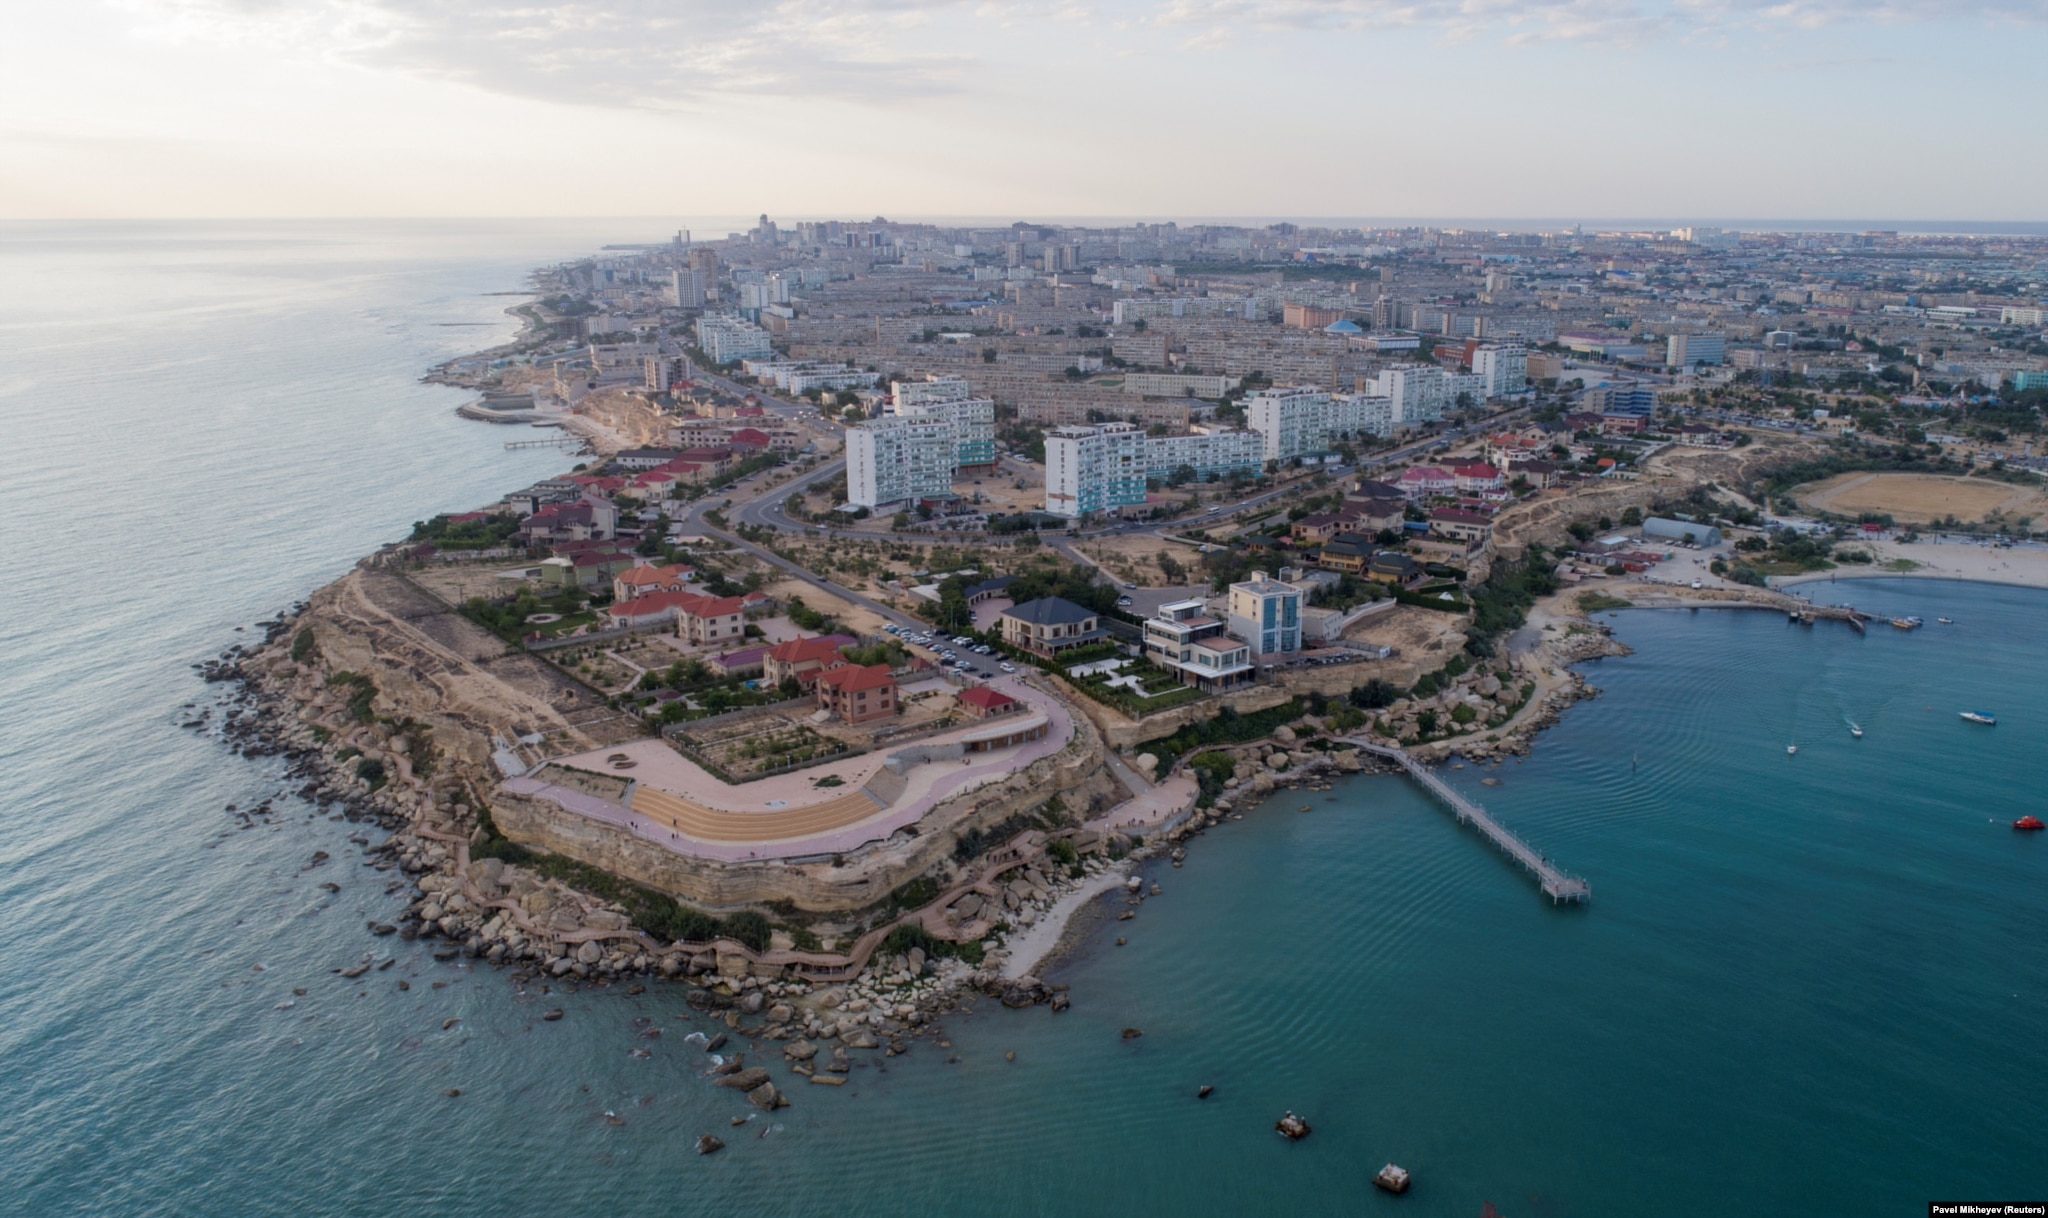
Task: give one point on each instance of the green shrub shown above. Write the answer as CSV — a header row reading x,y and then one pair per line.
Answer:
x,y
302,645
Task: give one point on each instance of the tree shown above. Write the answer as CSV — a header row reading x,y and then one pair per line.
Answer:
x,y
1632,516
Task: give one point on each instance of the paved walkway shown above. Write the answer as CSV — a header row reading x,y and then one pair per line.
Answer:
x,y
1151,809
739,835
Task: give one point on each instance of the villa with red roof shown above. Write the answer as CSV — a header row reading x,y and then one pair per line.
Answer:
x,y
650,609
857,693
802,659
709,619
1477,479
646,578
1419,482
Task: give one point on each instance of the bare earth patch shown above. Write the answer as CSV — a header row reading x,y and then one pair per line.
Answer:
x,y
1920,498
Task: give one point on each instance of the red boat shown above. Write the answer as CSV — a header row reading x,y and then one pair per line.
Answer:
x,y
2029,823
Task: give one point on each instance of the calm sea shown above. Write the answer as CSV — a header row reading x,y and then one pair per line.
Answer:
x,y
1807,984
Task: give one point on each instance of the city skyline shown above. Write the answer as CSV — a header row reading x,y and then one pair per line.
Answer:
x,y
1542,108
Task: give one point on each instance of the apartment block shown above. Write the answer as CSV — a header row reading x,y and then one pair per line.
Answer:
x,y
971,419
1094,469
1214,454
1417,391
894,459
726,338
1505,368
1178,385
1691,350
1147,308
1296,422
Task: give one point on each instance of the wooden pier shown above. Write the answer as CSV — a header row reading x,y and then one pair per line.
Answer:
x,y
554,442
1557,884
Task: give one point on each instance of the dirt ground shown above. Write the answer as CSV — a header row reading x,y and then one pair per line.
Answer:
x,y
1135,560
858,620
1421,638
1920,498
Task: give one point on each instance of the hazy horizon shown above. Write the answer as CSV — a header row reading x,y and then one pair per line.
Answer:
x,y
1687,109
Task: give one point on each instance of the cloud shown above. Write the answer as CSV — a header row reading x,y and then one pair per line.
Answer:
x,y
644,54
1609,21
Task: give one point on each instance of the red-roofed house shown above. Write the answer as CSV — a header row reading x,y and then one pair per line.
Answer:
x,y
712,460
709,619
750,441
857,693
643,579
1419,482
1478,479
802,659
650,609
981,702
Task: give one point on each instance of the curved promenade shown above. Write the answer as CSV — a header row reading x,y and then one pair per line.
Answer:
x,y
753,821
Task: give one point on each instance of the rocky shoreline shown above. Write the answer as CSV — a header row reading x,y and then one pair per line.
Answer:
x,y
546,935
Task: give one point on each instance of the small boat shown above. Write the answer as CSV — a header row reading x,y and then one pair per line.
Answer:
x,y
1393,1179
1907,623
1791,749
1291,1127
2029,824
1946,621
1984,717
1856,731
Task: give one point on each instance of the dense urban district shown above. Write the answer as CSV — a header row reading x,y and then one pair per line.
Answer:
x,y
910,583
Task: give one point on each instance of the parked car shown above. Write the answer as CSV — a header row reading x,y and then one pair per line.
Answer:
x,y
984,650
1006,666
1124,602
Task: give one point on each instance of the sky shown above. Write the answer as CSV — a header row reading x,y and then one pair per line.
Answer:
x,y
1694,110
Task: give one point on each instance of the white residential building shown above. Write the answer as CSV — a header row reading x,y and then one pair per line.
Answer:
x,y
2020,315
1505,367
1297,421
1094,469
1417,391
1469,384
1691,350
686,288
726,338
1214,454
831,377
1125,311
891,459
972,419
1178,384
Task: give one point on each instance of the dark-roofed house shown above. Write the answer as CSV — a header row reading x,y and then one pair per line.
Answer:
x,y
1346,556
1472,528
977,593
644,458
1050,625
1396,568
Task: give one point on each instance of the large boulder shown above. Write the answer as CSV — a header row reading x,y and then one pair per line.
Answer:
x,y
1148,764
765,1097
1277,761
1284,734
745,1080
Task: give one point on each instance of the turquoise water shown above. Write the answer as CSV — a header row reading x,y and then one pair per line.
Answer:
x,y
1810,983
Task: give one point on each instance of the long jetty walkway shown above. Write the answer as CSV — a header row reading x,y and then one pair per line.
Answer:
x,y
1557,884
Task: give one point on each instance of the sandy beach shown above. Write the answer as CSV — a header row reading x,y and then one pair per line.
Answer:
x,y
1037,942
2026,566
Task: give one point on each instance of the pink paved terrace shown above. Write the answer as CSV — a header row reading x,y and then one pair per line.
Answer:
x,y
678,805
